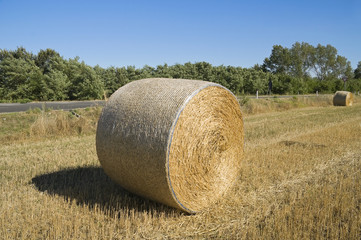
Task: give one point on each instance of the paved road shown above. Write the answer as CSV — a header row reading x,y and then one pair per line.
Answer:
x,y
22,107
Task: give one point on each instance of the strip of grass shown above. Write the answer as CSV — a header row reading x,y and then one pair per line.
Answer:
x,y
37,124
256,106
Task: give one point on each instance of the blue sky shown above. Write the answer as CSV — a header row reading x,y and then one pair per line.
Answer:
x,y
123,33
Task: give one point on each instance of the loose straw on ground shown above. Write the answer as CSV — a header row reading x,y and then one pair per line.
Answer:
x,y
343,98
175,141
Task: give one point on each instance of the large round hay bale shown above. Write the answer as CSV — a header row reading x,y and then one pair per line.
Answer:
x,y
343,98
175,141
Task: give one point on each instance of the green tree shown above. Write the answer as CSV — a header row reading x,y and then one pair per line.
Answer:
x,y
255,81
177,71
45,59
20,78
203,71
303,60
342,68
235,79
163,71
57,84
147,72
85,83
353,85
108,77
357,71
300,54
190,71
21,53
221,76
132,73
323,61
279,60
53,67
122,77
4,54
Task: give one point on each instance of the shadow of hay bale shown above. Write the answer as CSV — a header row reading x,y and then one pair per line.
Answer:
x,y
92,187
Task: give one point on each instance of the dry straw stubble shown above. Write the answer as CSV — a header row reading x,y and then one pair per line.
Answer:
x,y
176,141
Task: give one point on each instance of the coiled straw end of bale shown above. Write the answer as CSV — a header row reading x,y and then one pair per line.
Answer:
x,y
206,148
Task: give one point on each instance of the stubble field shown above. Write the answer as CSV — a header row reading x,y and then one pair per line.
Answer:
x,y
300,179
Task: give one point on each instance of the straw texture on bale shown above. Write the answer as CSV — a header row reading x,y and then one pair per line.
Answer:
x,y
343,98
175,141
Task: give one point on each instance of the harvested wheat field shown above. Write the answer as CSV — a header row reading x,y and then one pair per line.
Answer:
x,y
300,179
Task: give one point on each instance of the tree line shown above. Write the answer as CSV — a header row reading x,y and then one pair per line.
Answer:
x,y
48,76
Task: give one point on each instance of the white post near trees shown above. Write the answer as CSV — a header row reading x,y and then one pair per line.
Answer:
x,y
257,94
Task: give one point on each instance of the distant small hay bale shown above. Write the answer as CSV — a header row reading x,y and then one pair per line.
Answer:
x,y
343,98
175,141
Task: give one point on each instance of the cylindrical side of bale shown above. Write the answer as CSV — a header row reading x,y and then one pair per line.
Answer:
x,y
343,98
175,141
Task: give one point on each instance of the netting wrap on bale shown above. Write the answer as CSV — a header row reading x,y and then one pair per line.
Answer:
x,y
343,98
175,141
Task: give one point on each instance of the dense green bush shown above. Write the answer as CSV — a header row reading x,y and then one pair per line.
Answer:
x,y
48,76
